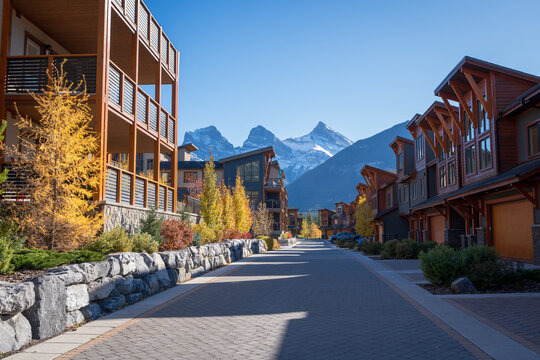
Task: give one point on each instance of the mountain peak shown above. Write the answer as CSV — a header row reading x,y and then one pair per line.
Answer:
x,y
321,126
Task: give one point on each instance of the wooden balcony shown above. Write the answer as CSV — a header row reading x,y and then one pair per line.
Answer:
x,y
130,100
30,73
138,17
124,187
273,184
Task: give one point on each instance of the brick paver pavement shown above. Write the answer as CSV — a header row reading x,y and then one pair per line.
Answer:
x,y
308,302
517,317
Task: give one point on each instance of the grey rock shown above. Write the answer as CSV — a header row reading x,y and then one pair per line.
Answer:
x,y
173,277
15,298
131,264
154,262
463,285
227,256
74,318
69,274
138,285
197,271
163,279
48,314
100,289
207,265
76,297
133,298
92,311
169,258
114,266
183,276
113,303
203,250
151,284
102,268
89,271
15,332
194,250
125,285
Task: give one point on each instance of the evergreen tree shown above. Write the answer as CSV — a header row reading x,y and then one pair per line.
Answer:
x,y
152,225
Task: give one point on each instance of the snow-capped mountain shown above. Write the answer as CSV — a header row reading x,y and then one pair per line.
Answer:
x,y
295,155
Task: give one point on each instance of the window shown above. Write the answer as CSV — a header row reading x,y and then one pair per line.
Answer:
x,y
190,176
389,197
150,164
414,194
422,188
441,152
33,47
400,161
451,173
252,196
483,121
419,148
469,129
442,177
450,149
485,153
249,172
533,134
470,160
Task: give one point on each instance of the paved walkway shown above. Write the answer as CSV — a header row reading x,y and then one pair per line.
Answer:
x,y
308,302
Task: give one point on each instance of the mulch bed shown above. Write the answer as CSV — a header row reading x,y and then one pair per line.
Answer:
x,y
20,276
526,286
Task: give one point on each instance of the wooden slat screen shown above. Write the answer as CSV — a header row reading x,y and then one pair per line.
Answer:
x,y
153,116
119,2
126,188
151,193
114,85
141,107
162,198
129,94
139,192
172,59
164,49
26,75
110,185
77,69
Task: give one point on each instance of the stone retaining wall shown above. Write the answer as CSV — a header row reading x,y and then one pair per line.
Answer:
x,y
70,295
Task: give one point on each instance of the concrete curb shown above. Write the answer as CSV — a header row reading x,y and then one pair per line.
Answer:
x,y
489,340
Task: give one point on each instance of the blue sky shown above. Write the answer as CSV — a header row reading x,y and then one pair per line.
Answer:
x,y
359,66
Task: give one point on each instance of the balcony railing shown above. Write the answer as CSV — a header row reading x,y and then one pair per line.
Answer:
x,y
30,73
119,185
149,31
273,183
150,115
272,204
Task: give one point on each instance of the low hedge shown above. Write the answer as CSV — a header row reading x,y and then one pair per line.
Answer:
x,y
370,247
271,244
37,259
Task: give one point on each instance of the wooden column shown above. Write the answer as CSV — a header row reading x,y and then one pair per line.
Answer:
x,y
101,112
133,127
4,53
174,158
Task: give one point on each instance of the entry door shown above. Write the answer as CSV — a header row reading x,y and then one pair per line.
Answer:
x,y
436,229
511,229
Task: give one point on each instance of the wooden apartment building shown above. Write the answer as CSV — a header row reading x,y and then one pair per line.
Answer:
x,y
131,73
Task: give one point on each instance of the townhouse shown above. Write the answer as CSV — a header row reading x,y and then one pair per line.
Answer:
x,y
471,173
260,172
130,70
326,217
295,221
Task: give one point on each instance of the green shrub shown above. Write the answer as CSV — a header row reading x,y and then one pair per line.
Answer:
x,y
487,275
275,244
268,240
6,255
442,265
152,225
144,243
370,247
407,249
479,254
350,245
197,239
37,259
384,255
425,247
116,240
9,230
390,247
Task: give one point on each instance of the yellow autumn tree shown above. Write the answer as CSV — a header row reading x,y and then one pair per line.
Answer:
x,y
228,208
61,169
364,218
242,210
315,232
211,207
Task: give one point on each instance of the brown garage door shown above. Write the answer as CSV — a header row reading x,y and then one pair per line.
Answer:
x,y
436,229
511,227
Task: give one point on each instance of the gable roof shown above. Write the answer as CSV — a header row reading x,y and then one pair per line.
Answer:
x,y
248,154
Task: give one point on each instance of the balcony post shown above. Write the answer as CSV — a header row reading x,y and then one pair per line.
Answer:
x,y
4,53
133,129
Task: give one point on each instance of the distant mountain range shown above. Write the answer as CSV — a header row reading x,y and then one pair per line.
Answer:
x,y
295,155
335,179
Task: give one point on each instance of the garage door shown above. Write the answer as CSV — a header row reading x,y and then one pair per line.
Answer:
x,y
436,226
511,228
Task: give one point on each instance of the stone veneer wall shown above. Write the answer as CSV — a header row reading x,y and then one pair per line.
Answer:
x,y
129,217
70,295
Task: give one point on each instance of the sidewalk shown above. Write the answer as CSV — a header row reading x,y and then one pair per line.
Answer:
x,y
505,326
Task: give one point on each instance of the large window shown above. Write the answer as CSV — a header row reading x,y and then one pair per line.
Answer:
x,y
190,176
441,152
252,196
389,197
469,129
451,173
400,161
249,172
483,121
470,160
442,177
533,134
485,153
450,148
420,148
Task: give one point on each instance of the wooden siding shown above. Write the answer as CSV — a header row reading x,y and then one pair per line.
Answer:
x,y
512,233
